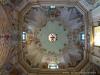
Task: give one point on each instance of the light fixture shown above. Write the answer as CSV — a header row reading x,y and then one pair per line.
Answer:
x,y
96,35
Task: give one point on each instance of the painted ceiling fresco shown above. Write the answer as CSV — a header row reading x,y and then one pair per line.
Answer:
x,y
6,43
53,35
90,1
44,36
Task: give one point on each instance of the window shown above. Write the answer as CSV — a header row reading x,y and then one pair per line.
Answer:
x,y
97,36
82,36
53,66
52,6
24,36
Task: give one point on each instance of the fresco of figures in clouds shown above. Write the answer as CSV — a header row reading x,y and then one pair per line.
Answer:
x,y
66,23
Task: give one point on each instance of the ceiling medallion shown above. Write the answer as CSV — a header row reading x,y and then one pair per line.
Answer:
x,y
52,37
